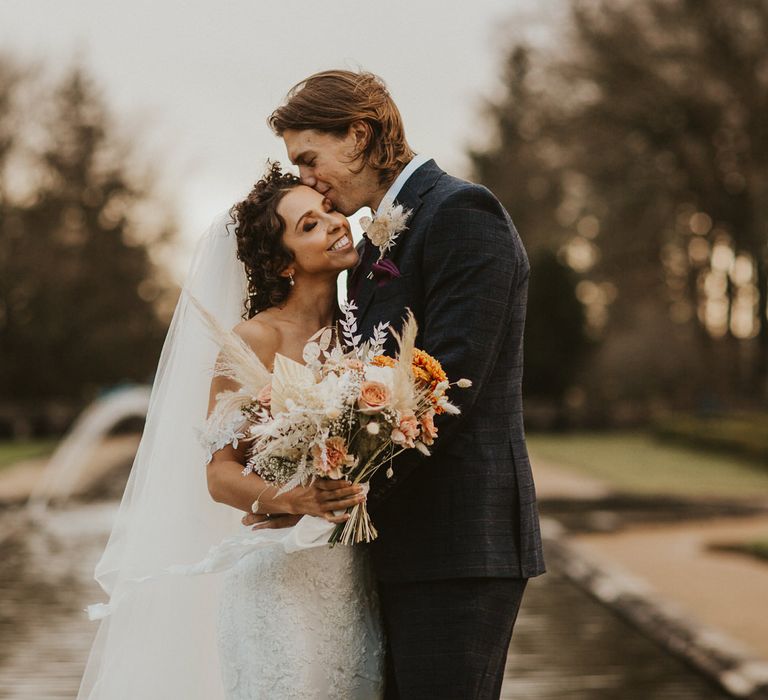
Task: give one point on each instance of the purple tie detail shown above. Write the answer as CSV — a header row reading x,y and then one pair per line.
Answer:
x,y
384,271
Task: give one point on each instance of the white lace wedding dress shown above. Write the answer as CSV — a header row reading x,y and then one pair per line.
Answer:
x,y
298,620
301,625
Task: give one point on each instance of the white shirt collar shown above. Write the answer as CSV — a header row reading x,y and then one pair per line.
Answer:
x,y
400,180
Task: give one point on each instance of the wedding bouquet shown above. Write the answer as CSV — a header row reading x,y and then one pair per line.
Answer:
x,y
346,413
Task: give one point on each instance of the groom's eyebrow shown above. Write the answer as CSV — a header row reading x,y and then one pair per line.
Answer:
x,y
300,158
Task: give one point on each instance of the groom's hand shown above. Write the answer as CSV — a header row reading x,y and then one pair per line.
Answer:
x,y
324,498
262,521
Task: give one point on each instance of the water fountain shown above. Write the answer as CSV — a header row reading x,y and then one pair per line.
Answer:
x,y
66,467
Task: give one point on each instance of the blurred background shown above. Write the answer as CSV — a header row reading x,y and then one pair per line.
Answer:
x,y
628,141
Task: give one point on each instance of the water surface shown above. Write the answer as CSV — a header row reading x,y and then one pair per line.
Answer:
x,y
566,645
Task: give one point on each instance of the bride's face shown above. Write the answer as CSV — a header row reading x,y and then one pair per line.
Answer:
x,y
318,236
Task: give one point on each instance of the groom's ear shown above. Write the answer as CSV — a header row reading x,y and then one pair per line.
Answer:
x,y
361,133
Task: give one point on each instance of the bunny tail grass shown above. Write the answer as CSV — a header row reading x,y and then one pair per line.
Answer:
x,y
236,359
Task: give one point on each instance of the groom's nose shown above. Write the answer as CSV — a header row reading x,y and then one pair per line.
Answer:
x,y
306,176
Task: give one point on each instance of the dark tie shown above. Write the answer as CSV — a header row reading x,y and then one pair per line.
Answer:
x,y
369,253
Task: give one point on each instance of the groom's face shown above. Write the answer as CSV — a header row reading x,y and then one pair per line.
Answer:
x,y
327,163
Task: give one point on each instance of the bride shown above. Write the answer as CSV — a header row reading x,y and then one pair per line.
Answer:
x,y
275,624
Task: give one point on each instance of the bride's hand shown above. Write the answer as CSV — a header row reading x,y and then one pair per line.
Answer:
x,y
323,497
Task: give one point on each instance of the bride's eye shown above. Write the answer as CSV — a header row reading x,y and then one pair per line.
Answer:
x,y
309,226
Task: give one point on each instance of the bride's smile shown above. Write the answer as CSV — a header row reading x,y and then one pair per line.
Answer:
x,y
341,244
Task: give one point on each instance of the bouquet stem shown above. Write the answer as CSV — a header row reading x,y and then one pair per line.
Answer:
x,y
358,528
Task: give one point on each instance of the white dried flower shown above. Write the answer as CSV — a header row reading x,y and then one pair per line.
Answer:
x,y
378,233
464,383
421,447
450,409
311,354
386,227
398,437
373,428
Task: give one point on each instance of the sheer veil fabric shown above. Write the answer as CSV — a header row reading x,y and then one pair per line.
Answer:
x,y
158,639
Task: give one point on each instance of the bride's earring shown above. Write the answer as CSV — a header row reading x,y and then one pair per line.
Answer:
x,y
290,277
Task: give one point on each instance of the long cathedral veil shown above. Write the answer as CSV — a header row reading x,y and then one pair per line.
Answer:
x,y
158,639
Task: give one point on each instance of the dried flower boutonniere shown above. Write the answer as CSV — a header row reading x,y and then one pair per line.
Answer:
x,y
383,232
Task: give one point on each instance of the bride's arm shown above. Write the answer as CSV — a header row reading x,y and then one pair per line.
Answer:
x,y
228,485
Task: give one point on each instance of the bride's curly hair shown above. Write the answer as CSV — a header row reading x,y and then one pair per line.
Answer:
x,y
259,230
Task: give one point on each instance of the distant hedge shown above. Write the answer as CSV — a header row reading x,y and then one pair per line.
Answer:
x,y
738,433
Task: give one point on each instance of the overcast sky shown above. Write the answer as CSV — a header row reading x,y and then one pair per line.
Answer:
x,y
196,79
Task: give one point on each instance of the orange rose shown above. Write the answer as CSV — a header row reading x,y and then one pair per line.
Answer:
x,y
374,396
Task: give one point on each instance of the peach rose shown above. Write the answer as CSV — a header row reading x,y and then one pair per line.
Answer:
x,y
406,432
336,457
374,396
428,429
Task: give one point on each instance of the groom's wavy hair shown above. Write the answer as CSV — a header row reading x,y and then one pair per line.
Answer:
x,y
259,230
332,100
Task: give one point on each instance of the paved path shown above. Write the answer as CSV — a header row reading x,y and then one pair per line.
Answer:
x,y
725,591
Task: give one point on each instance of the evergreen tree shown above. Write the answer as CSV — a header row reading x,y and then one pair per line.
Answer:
x,y
645,131
77,283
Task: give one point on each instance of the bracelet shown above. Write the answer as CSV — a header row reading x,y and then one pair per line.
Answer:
x,y
255,504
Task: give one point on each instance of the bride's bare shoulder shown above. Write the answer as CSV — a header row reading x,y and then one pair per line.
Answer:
x,y
261,336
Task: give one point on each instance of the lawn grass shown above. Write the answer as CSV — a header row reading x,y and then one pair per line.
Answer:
x,y
636,462
12,451
755,548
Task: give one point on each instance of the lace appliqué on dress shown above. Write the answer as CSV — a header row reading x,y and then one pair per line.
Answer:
x,y
303,625
222,429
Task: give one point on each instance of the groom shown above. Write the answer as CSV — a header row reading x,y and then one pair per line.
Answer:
x,y
458,531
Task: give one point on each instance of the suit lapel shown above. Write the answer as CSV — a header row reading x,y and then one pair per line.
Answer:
x,y
365,293
355,271
410,196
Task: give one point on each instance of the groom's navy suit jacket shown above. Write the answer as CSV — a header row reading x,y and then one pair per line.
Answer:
x,y
469,510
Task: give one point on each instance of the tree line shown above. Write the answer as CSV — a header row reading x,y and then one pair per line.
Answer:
x,y
633,155
79,285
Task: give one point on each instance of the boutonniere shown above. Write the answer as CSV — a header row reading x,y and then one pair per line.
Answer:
x,y
383,232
